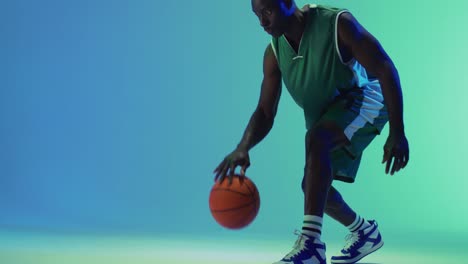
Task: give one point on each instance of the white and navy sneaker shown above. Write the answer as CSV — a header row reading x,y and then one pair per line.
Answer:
x,y
307,250
360,244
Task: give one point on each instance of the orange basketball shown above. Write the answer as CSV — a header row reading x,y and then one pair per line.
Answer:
x,y
234,206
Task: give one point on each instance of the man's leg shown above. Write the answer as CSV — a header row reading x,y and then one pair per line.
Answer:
x,y
365,237
320,141
338,209
319,196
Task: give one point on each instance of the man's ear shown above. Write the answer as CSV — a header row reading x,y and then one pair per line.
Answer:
x,y
288,6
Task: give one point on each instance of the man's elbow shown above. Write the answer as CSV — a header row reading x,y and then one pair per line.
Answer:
x,y
267,113
385,69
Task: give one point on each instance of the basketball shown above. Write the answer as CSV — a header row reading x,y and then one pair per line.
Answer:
x,y
234,206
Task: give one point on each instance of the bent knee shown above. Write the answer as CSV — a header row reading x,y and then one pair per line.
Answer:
x,y
318,136
325,135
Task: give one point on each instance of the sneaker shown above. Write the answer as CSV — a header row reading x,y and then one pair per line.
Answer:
x,y
306,250
360,244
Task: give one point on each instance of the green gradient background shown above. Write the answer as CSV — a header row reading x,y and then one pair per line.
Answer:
x,y
115,113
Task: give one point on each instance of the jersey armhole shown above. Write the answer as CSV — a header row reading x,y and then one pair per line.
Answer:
x,y
336,38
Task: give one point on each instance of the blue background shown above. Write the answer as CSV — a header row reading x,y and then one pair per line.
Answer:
x,y
115,113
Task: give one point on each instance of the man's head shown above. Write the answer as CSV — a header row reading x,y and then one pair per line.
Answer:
x,y
274,14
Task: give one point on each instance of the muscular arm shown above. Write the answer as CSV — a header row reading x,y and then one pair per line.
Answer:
x,y
263,117
357,42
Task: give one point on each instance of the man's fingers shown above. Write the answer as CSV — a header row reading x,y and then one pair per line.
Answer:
x,y
398,160
229,172
220,166
386,155
396,164
232,170
400,164
402,159
406,159
223,172
219,169
242,172
216,171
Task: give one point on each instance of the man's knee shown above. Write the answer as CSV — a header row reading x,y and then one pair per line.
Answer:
x,y
325,136
318,138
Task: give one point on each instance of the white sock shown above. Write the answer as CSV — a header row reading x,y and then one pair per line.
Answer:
x,y
358,224
312,226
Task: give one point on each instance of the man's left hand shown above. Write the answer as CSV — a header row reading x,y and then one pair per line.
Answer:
x,y
396,149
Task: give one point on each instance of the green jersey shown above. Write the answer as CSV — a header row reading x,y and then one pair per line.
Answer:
x,y
316,74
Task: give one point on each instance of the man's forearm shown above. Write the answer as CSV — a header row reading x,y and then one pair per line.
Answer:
x,y
258,127
391,89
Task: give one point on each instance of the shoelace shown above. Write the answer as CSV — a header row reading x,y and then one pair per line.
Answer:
x,y
351,239
298,246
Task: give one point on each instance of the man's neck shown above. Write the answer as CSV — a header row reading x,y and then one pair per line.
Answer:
x,y
296,26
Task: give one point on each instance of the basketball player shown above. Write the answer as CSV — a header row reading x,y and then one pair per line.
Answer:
x,y
348,87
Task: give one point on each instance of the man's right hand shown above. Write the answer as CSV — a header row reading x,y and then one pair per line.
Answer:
x,y
239,157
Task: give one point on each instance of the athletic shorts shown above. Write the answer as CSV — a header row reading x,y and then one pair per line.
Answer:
x,y
345,111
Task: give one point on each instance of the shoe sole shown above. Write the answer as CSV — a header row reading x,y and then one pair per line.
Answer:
x,y
359,257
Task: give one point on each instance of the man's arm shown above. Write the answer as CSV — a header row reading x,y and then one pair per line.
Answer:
x,y
263,117
359,43
260,123
355,41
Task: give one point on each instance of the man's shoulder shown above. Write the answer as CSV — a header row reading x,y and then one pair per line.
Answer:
x,y
325,10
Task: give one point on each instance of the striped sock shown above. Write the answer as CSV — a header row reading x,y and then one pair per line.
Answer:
x,y
312,226
358,224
